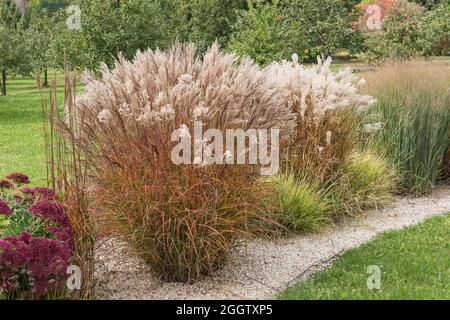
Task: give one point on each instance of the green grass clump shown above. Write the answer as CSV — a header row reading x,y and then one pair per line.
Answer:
x,y
414,107
414,263
367,181
298,204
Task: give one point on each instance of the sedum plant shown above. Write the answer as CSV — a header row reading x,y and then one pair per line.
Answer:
x,y
36,241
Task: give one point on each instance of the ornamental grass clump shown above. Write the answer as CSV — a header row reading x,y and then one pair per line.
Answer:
x,y
414,108
299,204
36,242
183,219
328,107
366,181
320,181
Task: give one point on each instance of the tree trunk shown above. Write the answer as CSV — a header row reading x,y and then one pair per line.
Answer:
x,y
3,82
45,77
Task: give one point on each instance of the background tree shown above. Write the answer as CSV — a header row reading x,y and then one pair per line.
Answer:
x,y
431,4
202,21
276,29
322,26
435,26
14,54
213,20
109,27
400,33
262,33
40,36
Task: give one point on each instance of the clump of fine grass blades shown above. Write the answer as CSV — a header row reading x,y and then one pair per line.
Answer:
x,y
297,204
414,108
182,219
366,181
303,204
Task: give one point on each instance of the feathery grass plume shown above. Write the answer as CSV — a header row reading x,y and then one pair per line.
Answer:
x,y
327,105
182,219
414,108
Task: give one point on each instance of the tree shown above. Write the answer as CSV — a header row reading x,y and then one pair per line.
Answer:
x,y
109,27
213,20
201,21
400,33
262,33
435,26
39,41
431,4
321,26
14,56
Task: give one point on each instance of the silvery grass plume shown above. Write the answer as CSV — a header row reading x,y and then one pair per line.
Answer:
x,y
315,91
327,105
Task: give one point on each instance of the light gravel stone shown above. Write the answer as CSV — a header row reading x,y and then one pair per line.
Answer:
x,y
264,267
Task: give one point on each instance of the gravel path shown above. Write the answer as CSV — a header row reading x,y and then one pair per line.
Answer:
x,y
264,267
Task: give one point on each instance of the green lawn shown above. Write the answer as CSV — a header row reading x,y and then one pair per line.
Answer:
x,y
414,263
21,134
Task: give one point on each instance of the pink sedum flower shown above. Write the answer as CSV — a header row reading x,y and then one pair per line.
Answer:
x,y
45,261
6,184
19,178
39,193
4,208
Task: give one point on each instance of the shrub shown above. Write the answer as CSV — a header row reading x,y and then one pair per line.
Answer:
x,y
301,204
436,30
35,242
320,27
325,178
328,108
414,107
400,34
182,219
298,204
262,33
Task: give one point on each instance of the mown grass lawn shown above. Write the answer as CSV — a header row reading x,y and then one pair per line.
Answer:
x,y
21,134
414,263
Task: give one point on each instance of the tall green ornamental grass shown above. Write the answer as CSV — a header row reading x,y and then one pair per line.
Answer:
x,y
414,109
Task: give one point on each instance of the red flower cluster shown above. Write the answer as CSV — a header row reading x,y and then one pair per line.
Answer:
x,y
50,210
43,261
54,211
4,208
39,193
30,266
6,184
19,178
